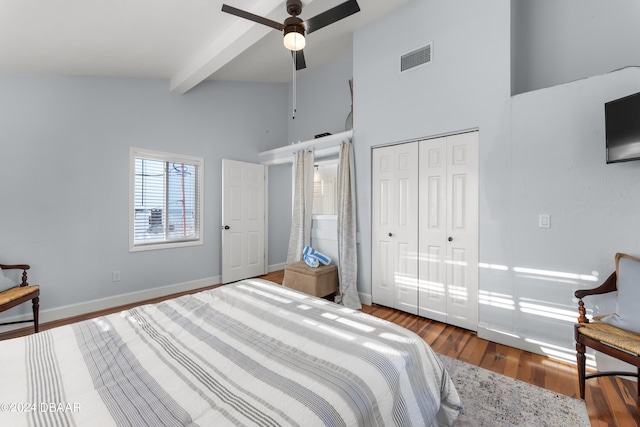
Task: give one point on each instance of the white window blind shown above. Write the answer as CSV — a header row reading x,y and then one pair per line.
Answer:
x,y
166,200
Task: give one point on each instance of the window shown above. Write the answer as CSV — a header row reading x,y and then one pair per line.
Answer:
x,y
165,200
325,179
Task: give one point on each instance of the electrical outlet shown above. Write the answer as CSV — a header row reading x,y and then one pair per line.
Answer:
x,y
115,276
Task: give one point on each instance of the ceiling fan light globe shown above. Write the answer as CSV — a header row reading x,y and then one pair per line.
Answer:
x,y
294,41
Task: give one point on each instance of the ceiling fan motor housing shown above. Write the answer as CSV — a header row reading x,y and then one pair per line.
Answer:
x,y
294,7
293,24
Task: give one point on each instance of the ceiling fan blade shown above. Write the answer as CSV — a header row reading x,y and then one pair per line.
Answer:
x,y
252,17
298,57
332,15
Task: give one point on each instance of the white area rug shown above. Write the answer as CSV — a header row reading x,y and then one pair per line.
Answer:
x,y
494,400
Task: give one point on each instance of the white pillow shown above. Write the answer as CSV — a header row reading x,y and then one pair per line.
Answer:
x,y
5,282
628,275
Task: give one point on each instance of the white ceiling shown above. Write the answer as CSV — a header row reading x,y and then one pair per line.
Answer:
x,y
185,41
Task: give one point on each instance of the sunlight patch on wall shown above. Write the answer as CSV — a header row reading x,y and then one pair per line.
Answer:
x,y
497,300
551,275
547,311
493,266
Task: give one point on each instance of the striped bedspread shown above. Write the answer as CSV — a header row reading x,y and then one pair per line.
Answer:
x,y
249,353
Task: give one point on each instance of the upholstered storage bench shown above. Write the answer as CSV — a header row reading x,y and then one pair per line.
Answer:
x,y
320,281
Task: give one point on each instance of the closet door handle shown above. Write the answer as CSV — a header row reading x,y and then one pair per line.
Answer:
x,y
450,239
390,234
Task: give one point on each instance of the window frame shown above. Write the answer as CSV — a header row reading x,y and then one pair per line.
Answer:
x,y
137,153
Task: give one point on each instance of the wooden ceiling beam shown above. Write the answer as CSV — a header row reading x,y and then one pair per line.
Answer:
x,y
241,35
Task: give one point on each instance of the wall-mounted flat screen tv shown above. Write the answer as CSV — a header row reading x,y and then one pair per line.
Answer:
x,y
622,129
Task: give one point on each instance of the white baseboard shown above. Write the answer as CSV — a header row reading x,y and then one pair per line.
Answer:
x,y
365,299
72,310
594,359
277,267
103,303
510,339
131,297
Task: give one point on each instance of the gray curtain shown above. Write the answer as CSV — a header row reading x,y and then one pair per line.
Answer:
x,y
347,249
302,205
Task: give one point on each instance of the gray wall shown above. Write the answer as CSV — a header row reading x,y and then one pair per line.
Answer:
x,y
465,87
280,202
64,174
323,100
540,152
560,41
558,159
64,157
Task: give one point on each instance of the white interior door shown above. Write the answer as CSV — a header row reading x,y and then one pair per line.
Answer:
x,y
448,274
394,227
243,220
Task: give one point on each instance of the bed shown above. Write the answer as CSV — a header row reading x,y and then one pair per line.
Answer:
x,y
248,353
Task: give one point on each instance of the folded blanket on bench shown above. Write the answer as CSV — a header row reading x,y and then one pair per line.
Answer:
x,y
313,258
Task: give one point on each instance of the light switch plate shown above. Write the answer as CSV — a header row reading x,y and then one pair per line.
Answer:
x,y
544,221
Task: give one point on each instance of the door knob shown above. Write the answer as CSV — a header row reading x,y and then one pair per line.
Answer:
x,y
450,238
390,234
225,227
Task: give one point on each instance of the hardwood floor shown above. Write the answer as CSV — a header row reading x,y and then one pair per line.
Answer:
x,y
610,401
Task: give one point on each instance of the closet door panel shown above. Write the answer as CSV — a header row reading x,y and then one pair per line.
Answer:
x,y
432,301
382,286
432,230
384,291
406,293
462,224
405,236
394,225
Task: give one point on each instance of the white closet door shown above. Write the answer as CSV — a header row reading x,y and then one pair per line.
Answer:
x,y
448,279
394,225
462,225
432,295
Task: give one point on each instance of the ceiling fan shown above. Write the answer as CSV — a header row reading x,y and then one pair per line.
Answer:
x,y
294,28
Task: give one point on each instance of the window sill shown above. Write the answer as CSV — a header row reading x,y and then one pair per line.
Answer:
x,y
164,245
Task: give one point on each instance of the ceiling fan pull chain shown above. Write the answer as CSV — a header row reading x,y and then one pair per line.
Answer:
x,y
294,85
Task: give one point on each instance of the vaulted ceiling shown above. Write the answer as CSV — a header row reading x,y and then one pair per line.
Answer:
x,y
185,41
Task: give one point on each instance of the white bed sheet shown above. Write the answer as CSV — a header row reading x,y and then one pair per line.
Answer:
x,y
249,353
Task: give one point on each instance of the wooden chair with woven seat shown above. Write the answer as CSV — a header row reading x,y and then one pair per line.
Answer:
x,y
604,333
19,294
